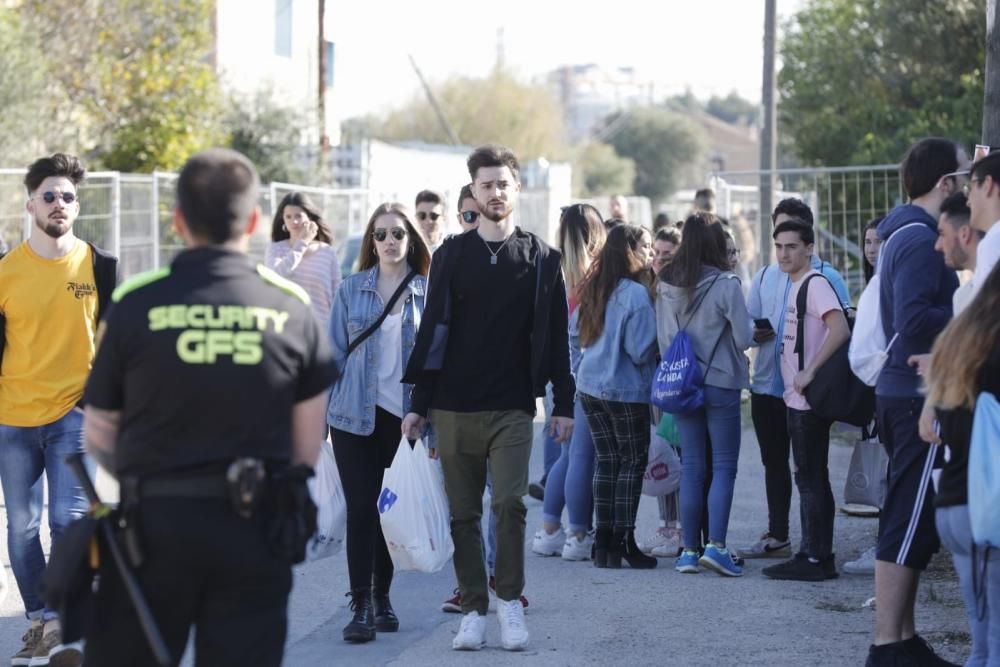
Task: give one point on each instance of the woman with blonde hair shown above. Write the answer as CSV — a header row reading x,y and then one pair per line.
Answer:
x,y
965,364
569,482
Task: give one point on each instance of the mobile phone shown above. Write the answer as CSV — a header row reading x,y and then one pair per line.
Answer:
x,y
763,324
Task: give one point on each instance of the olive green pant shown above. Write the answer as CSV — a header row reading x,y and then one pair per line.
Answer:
x,y
465,441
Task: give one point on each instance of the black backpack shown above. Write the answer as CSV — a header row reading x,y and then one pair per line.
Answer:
x,y
835,393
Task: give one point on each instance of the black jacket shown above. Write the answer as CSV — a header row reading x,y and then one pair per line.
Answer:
x,y
106,278
549,336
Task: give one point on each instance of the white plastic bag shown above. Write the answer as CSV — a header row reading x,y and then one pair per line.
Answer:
x,y
331,516
663,470
414,511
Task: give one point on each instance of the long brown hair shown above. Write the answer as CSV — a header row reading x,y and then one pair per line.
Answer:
x,y
619,259
703,243
418,255
581,237
302,200
963,347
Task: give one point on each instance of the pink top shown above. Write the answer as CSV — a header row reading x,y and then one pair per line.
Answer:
x,y
820,300
317,272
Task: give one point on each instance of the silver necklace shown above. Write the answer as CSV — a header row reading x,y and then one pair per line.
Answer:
x,y
493,255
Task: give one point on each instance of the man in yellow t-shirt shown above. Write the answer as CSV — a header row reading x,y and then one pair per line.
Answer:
x,y
52,291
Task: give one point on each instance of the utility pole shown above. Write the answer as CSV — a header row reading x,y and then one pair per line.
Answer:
x,y
991,97
768,144
324,138
445,125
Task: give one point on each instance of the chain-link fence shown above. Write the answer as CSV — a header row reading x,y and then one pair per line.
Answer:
x,y
843,201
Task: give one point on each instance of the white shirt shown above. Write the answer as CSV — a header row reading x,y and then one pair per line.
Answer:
x,y
987,256
389,365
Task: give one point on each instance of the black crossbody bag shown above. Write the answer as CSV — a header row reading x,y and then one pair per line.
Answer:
x,y
385,313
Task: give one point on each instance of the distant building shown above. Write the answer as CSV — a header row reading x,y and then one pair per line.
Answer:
x,y
273,45
589,93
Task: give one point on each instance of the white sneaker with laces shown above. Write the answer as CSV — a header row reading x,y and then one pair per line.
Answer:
x,y
864,565
665,543
471,633
513,631
548,544
767,547
578,548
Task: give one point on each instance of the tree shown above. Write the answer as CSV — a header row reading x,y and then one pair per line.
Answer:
x,y
733,109
20,81
498,108
139,70
599,170
863,79
660,142
270,135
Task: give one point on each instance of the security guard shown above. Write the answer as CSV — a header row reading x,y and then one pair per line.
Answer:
x,y
209,386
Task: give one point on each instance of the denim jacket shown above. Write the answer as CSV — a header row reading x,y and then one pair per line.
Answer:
x,y
619,365
355,308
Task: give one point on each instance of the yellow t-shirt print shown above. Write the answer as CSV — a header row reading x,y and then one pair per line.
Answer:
x,y
51,311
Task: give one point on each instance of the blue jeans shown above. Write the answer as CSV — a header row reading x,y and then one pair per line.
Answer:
x,y
956,534
490,537
719,418
571,481
25,454
551,450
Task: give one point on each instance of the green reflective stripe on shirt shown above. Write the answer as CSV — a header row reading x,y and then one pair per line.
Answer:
x,y
283,283
141,280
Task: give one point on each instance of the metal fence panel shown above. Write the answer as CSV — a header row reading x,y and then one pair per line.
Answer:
x,y
843,201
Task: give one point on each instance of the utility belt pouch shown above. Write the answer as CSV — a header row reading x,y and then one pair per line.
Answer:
x,y
247,481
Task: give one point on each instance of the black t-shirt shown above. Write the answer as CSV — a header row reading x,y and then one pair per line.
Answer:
x,y
487,365
956,432
205,361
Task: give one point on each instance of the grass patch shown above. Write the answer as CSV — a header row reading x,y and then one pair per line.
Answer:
x,y
826,605
951,637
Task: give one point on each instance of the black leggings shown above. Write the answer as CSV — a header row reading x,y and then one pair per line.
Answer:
x,y
362,460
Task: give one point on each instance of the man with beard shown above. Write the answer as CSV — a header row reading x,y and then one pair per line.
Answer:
x,y
54,289
494,333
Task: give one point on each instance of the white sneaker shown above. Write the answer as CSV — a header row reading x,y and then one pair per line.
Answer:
x,y
767,547
471,633
578,548
864,565
548,544
664,543
513,631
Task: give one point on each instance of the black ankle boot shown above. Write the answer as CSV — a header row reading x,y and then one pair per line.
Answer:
x,y
385,618
633,556
602,538
615,550
362,627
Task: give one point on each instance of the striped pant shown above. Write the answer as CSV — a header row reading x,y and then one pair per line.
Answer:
x,y
621,446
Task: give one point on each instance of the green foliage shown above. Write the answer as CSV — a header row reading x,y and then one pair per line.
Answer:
x,y
140,72
863,79
733,109
270,135
598,170
21,84
660,142
498,108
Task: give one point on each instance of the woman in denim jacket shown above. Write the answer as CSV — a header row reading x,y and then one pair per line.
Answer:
x,y
614,328
368,400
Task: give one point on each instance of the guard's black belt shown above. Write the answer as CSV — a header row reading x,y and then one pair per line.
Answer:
x,y
201,486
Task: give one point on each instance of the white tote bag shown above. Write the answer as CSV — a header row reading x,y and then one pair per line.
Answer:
x,y
663,468
413,509
331,507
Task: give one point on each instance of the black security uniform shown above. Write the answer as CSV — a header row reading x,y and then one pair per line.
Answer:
x,y
205,361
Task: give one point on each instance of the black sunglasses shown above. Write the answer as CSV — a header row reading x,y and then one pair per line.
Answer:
x,y
398,233
469,217
50,197
423,215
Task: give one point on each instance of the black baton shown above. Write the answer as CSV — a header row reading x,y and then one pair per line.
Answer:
x,y
146,620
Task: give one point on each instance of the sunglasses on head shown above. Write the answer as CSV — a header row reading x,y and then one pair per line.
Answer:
x,y
423,215
398,233
50,197
470,217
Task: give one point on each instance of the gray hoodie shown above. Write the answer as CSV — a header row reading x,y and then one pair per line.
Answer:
x,y
722,319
